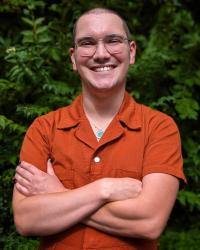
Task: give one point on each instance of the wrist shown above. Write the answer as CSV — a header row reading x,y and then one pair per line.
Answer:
x,y
105,189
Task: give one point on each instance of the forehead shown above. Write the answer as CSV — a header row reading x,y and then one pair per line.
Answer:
x,y
99,25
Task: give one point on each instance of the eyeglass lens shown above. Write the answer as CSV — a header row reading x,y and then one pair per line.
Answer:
x,y
113,44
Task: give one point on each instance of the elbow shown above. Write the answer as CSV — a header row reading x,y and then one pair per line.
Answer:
x,y
152,234
150,229
22,231
154,229
21,226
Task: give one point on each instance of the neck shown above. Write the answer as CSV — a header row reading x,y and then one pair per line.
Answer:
x,y
100,108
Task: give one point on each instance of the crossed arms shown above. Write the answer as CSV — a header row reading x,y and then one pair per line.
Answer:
x,y
119,206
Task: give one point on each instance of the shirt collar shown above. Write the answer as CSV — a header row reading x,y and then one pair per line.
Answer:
x,y
129,113
71,115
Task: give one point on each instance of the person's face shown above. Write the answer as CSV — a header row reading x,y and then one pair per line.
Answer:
x,y
102,70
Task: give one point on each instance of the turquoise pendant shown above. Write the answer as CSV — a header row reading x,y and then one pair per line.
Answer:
x,y
99,133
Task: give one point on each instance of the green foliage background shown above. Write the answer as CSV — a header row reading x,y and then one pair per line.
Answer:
x,y
36,76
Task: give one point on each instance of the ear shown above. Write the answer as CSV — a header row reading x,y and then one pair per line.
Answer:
x,y
72,58
132,52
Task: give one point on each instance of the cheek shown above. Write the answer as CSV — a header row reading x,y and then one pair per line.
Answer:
x,y
123,57
80,62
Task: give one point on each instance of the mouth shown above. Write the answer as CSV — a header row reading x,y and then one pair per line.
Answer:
x,y
103,68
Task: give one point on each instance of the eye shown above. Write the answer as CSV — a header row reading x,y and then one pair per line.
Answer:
x,y
86,43
114,40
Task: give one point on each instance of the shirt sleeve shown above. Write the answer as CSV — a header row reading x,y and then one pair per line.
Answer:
x,y
35,147
163,148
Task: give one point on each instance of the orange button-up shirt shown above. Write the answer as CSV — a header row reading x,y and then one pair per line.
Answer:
x,y
139,141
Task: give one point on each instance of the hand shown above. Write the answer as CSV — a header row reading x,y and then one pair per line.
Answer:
x,y
32,181
115,189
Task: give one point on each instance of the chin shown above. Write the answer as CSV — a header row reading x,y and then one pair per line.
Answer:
x,y
103,83
104,86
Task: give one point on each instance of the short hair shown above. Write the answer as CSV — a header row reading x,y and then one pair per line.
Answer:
x,y
100,11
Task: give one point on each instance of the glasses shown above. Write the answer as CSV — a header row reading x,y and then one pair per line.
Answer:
x,y
114,44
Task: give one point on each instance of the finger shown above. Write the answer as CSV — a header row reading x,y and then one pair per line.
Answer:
x,y
50,169
22,181
22,189
24,173
29,167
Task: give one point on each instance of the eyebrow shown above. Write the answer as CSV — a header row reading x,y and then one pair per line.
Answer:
x,y
85,38
93,38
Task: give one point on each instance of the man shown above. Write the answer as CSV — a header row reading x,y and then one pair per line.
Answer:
x,y
115,164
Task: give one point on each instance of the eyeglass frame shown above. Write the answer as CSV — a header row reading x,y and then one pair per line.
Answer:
x,y
76,45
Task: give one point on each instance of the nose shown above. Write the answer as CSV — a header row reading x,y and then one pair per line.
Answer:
x,y
101,53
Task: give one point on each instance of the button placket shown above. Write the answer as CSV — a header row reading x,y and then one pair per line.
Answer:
x,y
96,165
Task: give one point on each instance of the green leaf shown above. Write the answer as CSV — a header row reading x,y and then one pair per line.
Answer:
x,y
32,111
189,199
41,29
6,123
44,39
28,21
55,54
187,108
39,20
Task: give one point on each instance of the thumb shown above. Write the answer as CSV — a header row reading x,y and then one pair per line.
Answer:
x,y
50,169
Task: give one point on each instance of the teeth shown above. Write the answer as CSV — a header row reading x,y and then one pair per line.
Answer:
x,y
101,69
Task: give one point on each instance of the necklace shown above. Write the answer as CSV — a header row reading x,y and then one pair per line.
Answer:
x,y
99,132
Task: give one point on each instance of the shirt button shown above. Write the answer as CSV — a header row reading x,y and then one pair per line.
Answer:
x,y
97,159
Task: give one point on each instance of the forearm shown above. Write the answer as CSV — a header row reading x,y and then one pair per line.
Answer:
x,y
125,218
142,217
51,213
38,211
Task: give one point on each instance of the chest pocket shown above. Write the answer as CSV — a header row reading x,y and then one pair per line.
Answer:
x,y
62,158
121,173
122,161
65,174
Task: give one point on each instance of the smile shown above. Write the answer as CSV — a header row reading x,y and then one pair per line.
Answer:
x,y
103,69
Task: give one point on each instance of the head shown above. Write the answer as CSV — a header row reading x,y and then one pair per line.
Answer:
x,y
99,11
106,65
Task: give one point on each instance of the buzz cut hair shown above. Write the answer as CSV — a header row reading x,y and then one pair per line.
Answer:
x,y
100,11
